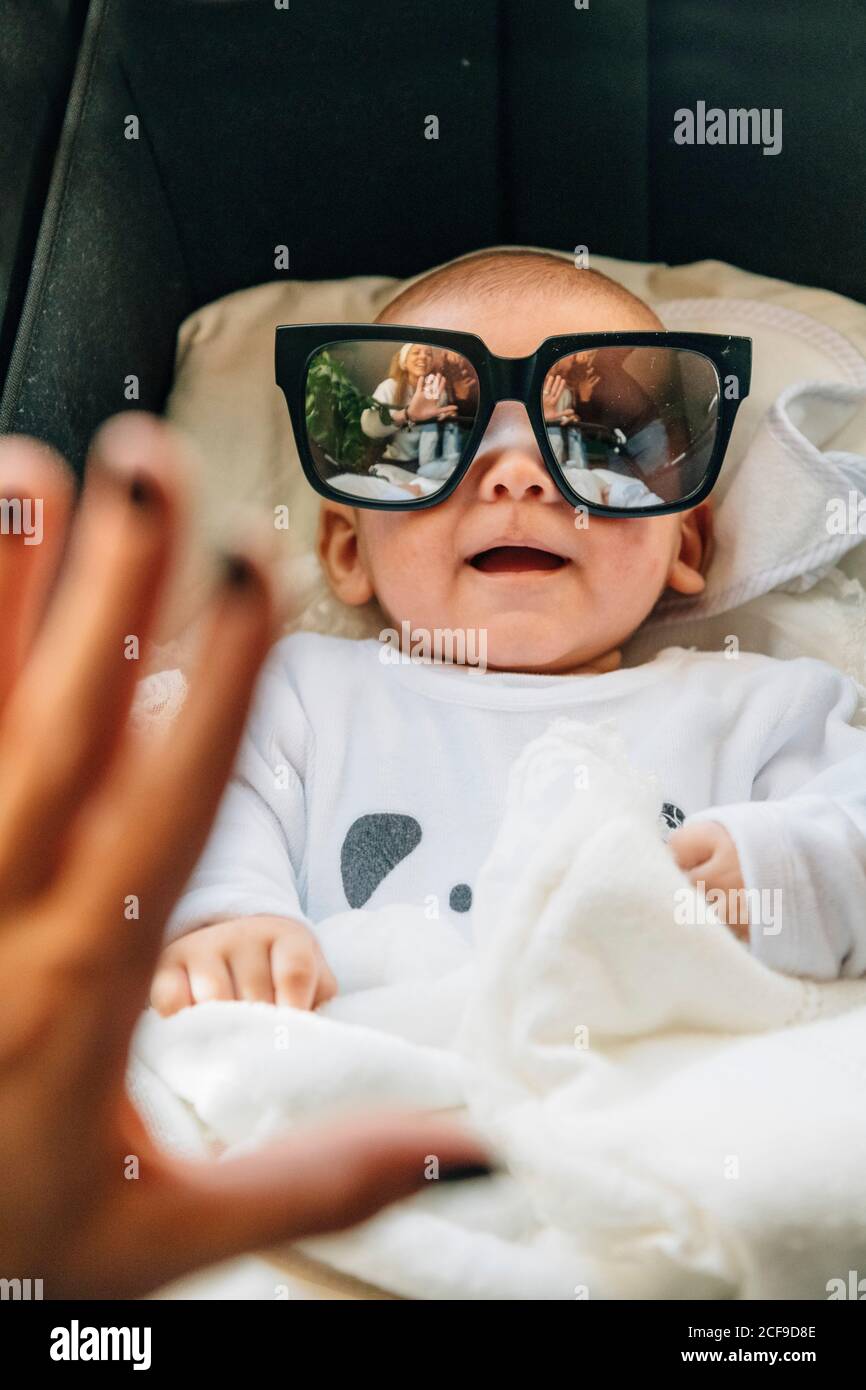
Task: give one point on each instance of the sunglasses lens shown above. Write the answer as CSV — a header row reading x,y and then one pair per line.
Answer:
x,y
632,426
389,421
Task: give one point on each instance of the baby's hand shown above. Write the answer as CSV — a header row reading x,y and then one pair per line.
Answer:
x,y
273,959
707,855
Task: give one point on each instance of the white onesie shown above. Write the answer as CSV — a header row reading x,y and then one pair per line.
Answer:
x,y
363,782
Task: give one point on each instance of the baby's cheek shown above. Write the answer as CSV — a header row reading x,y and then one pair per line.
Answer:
x,y
623,548
644,548
407,562
626,572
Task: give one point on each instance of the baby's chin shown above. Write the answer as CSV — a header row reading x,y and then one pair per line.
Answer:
x,y
554,632
544,645
531,637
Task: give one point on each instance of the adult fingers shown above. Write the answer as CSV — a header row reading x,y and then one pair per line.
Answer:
x,y
36,494
317,1181
68,709
150,825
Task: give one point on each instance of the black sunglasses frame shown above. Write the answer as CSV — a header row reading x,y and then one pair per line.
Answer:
x,y
506,379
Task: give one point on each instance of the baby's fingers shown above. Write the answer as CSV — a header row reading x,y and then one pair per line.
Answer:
x,y
170,991
210,979
193,975
327,986
693,845
295,974
199,980
251,970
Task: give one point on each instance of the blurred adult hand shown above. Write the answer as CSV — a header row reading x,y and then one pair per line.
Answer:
x,y
92,813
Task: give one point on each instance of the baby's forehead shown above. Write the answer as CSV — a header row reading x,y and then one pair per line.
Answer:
x,y
514,322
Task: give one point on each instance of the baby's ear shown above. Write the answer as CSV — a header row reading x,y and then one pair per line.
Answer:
x,y
339,554
692,561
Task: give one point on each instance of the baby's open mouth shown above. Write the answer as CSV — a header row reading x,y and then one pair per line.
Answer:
x,y
515,559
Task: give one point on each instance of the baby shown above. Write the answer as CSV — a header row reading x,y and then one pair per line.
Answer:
x,y
363,782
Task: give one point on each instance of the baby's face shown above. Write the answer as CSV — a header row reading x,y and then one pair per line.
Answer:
x,y
595,583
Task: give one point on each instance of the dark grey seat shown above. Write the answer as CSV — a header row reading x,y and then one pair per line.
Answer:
x,y
38,50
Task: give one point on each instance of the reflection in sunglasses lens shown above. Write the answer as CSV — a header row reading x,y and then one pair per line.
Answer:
x,y
389,421
632,427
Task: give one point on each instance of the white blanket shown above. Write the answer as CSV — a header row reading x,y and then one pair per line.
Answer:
x,y
675,1120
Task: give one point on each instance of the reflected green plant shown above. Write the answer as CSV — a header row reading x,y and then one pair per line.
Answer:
x,y
334,406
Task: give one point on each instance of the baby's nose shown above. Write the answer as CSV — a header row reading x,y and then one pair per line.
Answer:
x,y
516,474
508,464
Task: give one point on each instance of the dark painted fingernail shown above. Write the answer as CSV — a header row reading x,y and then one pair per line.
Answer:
x,y
142,493
238,573
463,1172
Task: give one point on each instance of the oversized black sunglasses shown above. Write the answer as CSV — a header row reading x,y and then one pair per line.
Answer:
x,y
628,424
